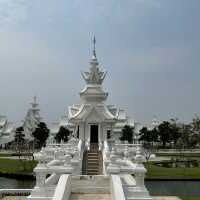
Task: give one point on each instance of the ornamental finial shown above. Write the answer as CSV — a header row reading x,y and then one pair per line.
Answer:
x,y
94,47
35,99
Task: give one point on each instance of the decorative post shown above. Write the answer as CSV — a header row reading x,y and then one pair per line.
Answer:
x,y
139,169
40,170
40,178
126,153
112,167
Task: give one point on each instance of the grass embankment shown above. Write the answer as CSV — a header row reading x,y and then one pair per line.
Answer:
x,y
179,154
158,172
14,154
190,198
6,154
16,167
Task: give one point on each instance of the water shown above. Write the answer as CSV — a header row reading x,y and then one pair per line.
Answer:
x,y
174,188
11,183
156,188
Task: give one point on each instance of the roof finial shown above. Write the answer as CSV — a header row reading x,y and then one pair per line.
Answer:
x,y
94,47
35,99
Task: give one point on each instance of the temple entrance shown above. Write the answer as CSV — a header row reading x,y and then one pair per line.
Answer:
x,y
94,133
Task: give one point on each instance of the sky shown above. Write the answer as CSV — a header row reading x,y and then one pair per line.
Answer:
x,y
150,49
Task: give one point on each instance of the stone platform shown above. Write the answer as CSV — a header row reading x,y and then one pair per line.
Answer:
x,y
75,196
90,197
166,198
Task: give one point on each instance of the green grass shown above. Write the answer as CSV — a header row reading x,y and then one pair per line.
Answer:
x,y
15,166
190,198
157,172
177,154
5,154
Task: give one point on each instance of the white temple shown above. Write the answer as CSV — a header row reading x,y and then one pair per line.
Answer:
x,y
92,165
92,120
7,131
32,120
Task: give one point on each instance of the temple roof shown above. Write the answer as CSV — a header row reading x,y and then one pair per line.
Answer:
x,y
3,121
87,111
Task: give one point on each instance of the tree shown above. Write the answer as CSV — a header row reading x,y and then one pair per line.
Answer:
x,y
175,132
40,134
149,137
195,126
184,140
164,132
63,134
19,141
127,134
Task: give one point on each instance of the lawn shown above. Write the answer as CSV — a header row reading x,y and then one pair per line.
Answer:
x,y
157,172
190,198
15,166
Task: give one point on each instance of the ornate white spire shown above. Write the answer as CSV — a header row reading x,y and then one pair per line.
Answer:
x,y
94,47
32,119
94,76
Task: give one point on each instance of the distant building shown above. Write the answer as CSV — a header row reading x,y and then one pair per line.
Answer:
x,y
7,131
31,120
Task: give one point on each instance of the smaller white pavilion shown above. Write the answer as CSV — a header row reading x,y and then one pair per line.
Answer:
x,y
92,120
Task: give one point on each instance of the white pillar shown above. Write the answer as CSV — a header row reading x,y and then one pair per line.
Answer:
x,y
40,179
99,133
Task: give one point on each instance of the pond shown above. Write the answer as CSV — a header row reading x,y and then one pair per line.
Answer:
x,y
174,188
11,183
156,188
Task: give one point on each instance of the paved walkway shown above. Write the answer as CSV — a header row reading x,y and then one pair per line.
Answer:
x,y
92,197
166,198
14,198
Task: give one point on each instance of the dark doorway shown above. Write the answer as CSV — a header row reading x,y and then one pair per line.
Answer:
x,y
94,134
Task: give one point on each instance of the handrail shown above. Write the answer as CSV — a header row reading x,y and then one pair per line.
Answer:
x,y
106,147
63,189
116,188
6,192
51,179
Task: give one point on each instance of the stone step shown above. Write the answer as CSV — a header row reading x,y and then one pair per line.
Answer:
x,y
93,155
75,196
93,170
92,162
93,152
93,159
93,167
96,160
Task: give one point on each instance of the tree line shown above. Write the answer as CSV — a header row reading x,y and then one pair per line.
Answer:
x,y
168,134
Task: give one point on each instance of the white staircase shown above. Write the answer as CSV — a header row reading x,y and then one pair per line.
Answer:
x,y
90,197
90,188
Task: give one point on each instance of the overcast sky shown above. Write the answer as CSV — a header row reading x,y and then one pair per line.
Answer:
x,y
150,48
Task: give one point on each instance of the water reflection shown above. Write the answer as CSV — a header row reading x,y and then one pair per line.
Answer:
x,y
156,188
16,183
173,188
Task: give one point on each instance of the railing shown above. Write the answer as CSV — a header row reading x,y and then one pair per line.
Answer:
x,y
15,192
51,180
116,188
106,146
63,189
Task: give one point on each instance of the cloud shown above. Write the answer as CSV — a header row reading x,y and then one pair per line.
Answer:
x,y
148,46
13,12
